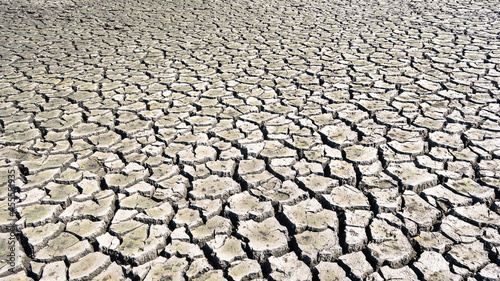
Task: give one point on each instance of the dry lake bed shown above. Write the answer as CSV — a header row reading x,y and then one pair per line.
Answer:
x,y
249,140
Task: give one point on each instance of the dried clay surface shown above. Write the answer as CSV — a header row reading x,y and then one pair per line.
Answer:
x,y
249,140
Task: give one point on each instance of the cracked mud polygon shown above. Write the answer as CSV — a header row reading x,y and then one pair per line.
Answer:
x,y
249,140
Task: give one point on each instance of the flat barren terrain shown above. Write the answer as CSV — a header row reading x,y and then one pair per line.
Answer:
x,y
249,140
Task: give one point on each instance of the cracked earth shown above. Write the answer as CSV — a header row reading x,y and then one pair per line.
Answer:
x,y
243,140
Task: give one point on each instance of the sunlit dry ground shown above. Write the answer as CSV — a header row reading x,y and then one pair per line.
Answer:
x,y
238,140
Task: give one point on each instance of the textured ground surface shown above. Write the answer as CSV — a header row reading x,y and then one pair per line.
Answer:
x,y
239,140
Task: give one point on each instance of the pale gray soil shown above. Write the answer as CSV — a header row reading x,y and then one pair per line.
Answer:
x,y
243,140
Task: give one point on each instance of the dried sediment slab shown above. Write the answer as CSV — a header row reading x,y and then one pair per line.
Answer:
x,y
459,231
471,256
412,177
433,241
419,211
113,272
346,197
266,238
214,187
129,238
361,154
330,271
187,140
405,273
200,155
54,270
386,199
184,249
37,237
356,264
252,166
446,140
13,259
245,270
199,268
89,266
64,246
212,275
223,168
162,268
343,171
37,215
479,215
389,245
310,215
86,229
317,184
289,267
339,135
441,197
120,181
394,253
226,250
216,225
320,246
490,272
209,208
433,266
102,208
469,188
244,206
274,150
286,193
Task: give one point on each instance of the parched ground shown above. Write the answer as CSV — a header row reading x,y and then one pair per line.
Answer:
x,y
242,140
